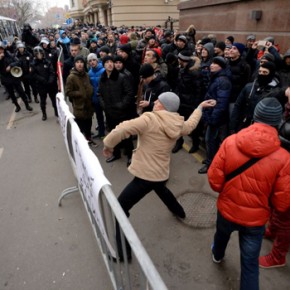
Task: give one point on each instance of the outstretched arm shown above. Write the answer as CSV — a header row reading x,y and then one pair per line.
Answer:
x,y
195,117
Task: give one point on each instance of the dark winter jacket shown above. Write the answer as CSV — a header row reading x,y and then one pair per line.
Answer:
x,y
80,91
205,67
189,88
241,74
51,55
116,95
219,89
25,58
67,66
42,74
284,73
6,77
133,67
151,91
252,93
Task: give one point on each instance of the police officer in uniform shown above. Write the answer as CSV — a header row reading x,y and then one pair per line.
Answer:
x,y
43,75
11,83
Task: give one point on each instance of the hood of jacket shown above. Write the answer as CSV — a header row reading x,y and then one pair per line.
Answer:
x,y
170,123
63,39
210,49
97,68
258,140
76,72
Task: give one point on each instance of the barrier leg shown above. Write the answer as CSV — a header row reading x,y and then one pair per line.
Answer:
x,y
67,192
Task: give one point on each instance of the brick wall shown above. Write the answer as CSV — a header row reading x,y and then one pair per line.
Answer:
x,y
235,17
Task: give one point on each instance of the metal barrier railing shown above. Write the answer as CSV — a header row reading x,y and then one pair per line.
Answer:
x,y
104,210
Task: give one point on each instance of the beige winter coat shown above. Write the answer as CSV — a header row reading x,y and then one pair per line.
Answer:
x,y
157,133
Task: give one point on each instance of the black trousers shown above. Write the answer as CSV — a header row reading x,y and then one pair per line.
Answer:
x,y
85,126
127,144
19,89
134,192
51,92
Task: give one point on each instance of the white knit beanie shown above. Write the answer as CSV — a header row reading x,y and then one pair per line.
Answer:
x,y
92,56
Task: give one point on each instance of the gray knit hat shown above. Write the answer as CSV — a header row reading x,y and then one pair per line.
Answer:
x,y
92,56
268,111
170,101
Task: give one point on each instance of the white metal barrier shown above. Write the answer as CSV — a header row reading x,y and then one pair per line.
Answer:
x,y
104,209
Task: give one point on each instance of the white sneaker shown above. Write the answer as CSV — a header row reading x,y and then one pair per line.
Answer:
x,y
213,258
216,261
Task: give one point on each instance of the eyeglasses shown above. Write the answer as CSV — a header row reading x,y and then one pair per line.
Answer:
x,y
92,60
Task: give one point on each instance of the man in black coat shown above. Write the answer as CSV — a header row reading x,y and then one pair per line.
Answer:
x,y
264,86
188,88
130,63
240,72
116,97
153,86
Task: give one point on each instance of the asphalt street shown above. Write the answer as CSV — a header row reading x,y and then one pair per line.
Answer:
x,y
43,246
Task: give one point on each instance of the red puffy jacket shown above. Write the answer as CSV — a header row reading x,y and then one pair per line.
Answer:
x,y
246,199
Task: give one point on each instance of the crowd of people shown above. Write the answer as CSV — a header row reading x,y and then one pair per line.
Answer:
x,y
160,85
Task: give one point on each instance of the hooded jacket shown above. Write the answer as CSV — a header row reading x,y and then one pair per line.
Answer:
x,y
152,91
63,39
219,89
251,94
246,199
95,75
205,66
157,134
80,91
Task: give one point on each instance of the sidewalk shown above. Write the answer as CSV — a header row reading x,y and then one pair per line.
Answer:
x,y
44,247
181,250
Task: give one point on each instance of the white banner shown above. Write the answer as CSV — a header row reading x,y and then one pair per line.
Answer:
x,y
87,168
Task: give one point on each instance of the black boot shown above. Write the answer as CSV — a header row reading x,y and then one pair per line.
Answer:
x,y
18,108
29,99
193,148
28,108
55,112
178,145
44,116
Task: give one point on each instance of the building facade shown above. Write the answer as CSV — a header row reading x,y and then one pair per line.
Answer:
x,y
238,18
126,12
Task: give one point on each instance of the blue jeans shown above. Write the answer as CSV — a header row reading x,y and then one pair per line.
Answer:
x,y
250,240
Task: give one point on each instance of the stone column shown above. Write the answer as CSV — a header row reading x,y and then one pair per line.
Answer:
x,y
103,16
109,14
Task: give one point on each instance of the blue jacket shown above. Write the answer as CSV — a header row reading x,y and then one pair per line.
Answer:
x,y
219,89
62,39
95,75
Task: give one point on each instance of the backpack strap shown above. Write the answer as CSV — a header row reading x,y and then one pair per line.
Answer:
x,y
241,169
